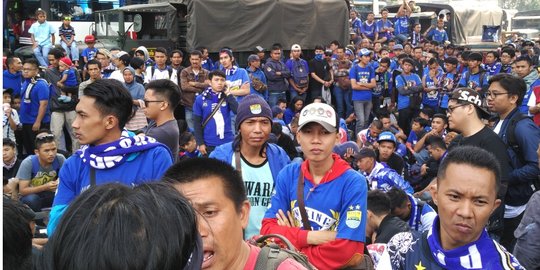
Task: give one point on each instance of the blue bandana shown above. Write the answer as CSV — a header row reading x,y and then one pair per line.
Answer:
x,y
110,155
483,253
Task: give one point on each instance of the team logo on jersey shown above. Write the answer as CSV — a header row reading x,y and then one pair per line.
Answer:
x,y
255,108
354,217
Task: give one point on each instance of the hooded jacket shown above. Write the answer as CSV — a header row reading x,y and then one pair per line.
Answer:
x,y
13,81
147,60
338,203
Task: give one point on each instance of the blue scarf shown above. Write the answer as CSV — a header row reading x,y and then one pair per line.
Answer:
x,y
209,94
483,253
110,155
231,71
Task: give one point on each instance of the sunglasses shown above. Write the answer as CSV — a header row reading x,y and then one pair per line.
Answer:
x,y
45,137
147,102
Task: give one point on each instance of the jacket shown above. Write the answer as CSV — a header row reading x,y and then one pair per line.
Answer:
x,y
277,158
527,136
188,91
276,83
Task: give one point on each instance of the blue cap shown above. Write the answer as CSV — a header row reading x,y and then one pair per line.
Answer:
x,y
387,136
364,52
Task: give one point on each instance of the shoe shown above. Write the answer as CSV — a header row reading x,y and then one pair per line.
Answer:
x,y
67,99
62,98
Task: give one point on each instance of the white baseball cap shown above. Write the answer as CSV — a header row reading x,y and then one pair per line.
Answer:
x,y
320,113
296,47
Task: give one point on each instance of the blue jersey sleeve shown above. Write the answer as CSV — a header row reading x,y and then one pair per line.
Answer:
x,y
281,197
245,76
352,73
163,160
399,81
353,214
45,93
197,107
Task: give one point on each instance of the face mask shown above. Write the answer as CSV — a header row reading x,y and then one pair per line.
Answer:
x,y
319,57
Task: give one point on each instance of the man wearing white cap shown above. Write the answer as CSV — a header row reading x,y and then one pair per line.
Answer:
x,y
320,204
299,80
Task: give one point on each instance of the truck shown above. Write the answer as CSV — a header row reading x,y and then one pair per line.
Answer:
x,y
214,24
527,24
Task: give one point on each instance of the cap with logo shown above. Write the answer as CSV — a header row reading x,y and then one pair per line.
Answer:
x,y
364,52
252,106
258,49
387,136
320,113
470,96
253,58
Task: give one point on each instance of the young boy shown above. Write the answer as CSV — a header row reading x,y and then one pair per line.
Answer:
x,y
212,114
69,79
187,146
90,52
417,132
67,40
277,113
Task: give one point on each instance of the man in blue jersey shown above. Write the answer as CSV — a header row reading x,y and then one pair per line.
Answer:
x,y
466,195
408,85
363,81
320,205
212,114
379,175
109,153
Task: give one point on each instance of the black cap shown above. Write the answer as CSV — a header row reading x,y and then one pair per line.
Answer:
x,y
470,96
365,152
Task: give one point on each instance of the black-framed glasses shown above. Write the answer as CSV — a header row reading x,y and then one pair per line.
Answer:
x,y
495,94
451,109
146,102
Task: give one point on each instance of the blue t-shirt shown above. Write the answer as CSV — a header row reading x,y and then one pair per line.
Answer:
x,y
438,35
413,138
474,80
203,109
89,53
431,99
30,107
448,80
406,80
13,81
384,84
139,168
356,25
337,205
71,80
401,25
236,80
368,29
361,75
379,28
492,69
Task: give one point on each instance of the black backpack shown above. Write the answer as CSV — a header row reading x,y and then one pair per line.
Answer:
x,y
272,255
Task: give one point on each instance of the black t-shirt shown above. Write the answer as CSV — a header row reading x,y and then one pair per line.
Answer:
x,y
488,140
12,172
390,226
395,162
321,69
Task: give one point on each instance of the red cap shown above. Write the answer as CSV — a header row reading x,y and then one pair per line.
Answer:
x,y
66,61
89,39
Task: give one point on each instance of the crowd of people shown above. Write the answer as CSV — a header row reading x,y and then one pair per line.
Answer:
x,y
398,150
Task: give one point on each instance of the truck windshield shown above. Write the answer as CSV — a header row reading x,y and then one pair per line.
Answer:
x,y
528,23
107,24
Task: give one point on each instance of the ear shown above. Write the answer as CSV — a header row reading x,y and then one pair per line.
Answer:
x,y
36,151
244,213
496,205
110,122
434,193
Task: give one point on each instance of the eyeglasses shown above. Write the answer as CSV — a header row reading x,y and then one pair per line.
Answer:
x,y
494,94
146,102
451,109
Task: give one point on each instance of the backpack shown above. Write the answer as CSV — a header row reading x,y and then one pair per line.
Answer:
x,y
481,79
512,144
299,73
272,255
36,166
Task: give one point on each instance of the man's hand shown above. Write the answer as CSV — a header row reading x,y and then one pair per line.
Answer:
x,y
285,220
51,186
320,237
202,149
34,45
423,169
36,126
